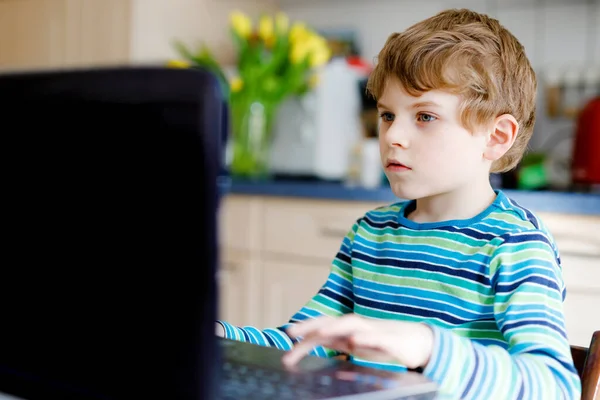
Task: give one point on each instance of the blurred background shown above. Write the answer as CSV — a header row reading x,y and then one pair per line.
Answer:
x,y
327,132
302,155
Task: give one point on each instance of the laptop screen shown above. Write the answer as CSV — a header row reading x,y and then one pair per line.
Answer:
x,y
109,220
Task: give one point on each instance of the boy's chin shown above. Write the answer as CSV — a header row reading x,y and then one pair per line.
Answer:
x,y
414,192
405,192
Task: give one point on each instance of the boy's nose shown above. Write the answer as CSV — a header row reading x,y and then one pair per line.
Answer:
x,y
396,136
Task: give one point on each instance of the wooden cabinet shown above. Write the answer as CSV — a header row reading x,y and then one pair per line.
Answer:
x,y
239,280
578,241
104,33
32,33
240,275
57,33
287,286
64,33
309,228
241,218
277,253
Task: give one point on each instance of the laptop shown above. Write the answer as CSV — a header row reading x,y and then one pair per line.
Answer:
x,y
110,248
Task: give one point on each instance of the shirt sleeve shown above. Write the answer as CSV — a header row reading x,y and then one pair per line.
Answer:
x,y
334,299
526,275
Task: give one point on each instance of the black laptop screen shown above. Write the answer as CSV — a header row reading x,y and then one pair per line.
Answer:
x,y
109,218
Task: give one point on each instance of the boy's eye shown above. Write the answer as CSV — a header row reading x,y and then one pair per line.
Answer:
x,y
386,116
426,118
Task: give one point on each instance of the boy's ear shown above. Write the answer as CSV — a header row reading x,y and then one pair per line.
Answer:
x,y
503,135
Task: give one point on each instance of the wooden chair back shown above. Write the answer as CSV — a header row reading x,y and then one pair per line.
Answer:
x,y
587,363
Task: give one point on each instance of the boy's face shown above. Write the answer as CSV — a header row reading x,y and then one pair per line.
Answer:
x,y
425,150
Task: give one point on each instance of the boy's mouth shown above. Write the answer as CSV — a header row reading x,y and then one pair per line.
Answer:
x,y
396,166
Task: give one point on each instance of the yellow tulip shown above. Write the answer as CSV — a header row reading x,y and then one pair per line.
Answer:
x,y
314,42
236,84
266,30
300,51
320,52
303,42
282,22
298,32
319,57
178,64
241,24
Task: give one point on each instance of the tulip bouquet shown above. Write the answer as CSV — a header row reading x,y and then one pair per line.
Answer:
x,y
274,61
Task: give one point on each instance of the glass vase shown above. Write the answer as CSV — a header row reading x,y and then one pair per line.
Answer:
x,y
251,123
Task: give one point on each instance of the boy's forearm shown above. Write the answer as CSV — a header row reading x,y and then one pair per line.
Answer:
x,y
268,337
469,370
272,337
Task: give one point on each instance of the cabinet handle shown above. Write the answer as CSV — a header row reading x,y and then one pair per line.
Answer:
x,y
336,233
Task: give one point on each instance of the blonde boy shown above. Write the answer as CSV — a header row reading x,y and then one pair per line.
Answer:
x,y
459,282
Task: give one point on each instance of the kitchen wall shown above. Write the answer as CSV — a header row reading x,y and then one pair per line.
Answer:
x,y
156,23
555,33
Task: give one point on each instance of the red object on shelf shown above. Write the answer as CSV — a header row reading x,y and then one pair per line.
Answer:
x,y
360,64
586,146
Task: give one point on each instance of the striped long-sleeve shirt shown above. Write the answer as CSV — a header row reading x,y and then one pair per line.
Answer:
x,y
490,288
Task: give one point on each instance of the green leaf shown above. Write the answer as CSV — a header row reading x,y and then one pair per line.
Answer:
x,y
203,58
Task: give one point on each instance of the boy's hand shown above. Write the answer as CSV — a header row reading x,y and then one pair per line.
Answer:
x,y
408,343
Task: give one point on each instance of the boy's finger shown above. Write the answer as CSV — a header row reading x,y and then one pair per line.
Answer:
x,y
298,352
302,348
340,344
343,327
328,326
305,327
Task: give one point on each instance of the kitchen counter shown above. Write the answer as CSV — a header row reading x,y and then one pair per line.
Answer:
x,y
539,201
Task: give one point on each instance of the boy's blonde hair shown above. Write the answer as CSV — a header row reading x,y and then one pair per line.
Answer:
x,y
471,55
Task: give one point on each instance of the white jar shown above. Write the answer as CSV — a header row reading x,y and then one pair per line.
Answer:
x,y
371,172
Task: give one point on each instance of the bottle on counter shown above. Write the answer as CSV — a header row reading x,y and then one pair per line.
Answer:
x,y
572,95
354,166
553,93
371,169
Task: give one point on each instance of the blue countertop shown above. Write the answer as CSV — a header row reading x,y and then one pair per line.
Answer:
x,y
540,201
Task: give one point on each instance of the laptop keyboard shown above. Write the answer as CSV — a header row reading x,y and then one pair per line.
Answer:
x,y
239,381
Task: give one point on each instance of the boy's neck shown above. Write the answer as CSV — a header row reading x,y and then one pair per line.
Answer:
x,y
462,203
